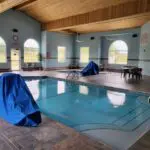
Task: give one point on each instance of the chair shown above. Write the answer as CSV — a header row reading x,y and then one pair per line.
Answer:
x,y
74,74
74,65
101,67
106,68
125,72
136,73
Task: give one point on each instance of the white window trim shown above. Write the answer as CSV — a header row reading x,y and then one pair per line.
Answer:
x,y
5,51
65,51
109,53
27,45
81,61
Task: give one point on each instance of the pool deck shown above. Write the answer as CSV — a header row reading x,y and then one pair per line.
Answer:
x,y
108,79
53,135
50,135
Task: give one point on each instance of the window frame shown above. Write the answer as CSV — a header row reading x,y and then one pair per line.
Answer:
x,y
109,51
81,59
37,49
65,51
5,47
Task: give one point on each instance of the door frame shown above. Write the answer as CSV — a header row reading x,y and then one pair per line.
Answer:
x,y
19,53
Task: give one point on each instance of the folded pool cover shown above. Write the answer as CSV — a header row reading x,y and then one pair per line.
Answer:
x,y
17,105
91,69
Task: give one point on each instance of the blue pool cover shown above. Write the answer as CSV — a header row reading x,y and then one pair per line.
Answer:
x,y
91,69
17,105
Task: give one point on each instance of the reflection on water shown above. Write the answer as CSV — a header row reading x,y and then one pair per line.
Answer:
x,y
116,98
61,87
83,90
88,107
40,91
34,88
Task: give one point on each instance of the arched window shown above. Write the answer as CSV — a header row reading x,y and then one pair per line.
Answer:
x,y
118,53
2,50
31,51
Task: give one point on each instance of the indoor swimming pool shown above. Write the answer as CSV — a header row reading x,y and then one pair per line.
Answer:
x,y
90,109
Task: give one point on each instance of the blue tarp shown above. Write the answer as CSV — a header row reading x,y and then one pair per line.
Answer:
x,y
91,69
17,105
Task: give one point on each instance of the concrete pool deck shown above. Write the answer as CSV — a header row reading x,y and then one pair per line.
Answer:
x,y
47,136
50,135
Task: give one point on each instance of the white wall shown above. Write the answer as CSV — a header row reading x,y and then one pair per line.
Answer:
x,y
99,46
133,48
95,47
27,27
52,40
144,56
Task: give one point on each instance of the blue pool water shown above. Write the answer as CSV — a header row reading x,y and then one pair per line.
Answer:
x,y
85,107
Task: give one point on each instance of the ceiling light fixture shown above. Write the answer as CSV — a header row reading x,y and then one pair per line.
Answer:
x,y
77,40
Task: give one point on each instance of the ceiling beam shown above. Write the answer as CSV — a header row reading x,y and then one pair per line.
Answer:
x,y
128,9
115,24
68,31
65,32
8,4
2,1
25,4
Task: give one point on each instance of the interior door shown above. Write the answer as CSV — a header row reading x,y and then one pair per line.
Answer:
x,y
15,60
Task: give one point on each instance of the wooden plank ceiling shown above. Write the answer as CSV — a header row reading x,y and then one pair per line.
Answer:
x,y
48,10
85,16
7,4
